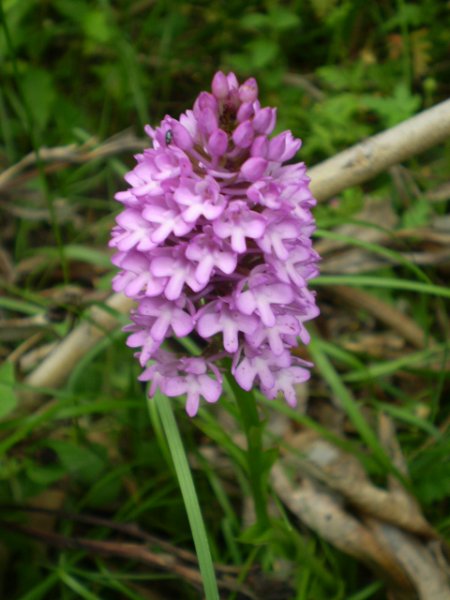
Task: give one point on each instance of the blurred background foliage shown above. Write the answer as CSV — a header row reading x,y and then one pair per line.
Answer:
x,y
83,71
338,70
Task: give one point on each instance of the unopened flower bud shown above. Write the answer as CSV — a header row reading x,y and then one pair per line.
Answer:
x,y
243,135
253,168
220,86
264,120
248,92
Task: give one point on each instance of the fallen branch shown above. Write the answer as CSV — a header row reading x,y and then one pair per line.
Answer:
x,y
331,493
375,154
72,154
53,371
124,550
385,312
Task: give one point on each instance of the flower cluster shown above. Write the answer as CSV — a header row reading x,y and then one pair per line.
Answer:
x,y
215,241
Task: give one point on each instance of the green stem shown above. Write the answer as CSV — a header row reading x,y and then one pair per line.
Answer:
x,y
189,494
253,430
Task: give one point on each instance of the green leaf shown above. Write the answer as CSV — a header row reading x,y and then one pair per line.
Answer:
x,y
390,367
190,497
417,215
255,535
81,253
254,21
282,19
350,204
262,52
323,7
40,95
8,398
76,586
79,461
96,26
44,475
348,403
396,108
429,471
405,14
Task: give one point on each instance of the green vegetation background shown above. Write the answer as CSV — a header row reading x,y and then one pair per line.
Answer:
x,y
80,72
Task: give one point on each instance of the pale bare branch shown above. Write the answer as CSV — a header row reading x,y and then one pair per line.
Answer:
x,y
375,154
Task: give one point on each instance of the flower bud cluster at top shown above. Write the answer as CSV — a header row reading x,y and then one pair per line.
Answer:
x,y
215,238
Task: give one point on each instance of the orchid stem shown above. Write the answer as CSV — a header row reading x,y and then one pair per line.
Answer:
x,y
253,429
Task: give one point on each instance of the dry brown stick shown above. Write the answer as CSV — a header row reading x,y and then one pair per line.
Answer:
x,y
343,473
374,155
73,154
53,371
125,529
322,512
410,137
128,551
405,561
416,560
383,311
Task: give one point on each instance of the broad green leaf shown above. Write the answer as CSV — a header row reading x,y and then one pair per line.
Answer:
x,y
40,95
82,462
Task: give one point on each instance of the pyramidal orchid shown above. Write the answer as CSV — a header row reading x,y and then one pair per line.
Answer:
x,y
214,240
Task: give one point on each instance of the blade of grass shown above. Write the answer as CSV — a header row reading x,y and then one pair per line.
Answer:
x,y
341,355
19,306
189,494
367,592
77,252
40,590
402,414
348,403
391,366
391,255
27,426
382,282
76,586
309,423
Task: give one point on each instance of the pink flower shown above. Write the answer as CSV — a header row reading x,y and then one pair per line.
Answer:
x,y
238,223
199,198
135,278
261,365
278,230
194,381
155,320
215,237
278,336
210,254
284,381
263,291
177,271
220,316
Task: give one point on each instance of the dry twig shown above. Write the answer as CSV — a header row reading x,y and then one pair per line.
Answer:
x,y
152,551
374,155
379,527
